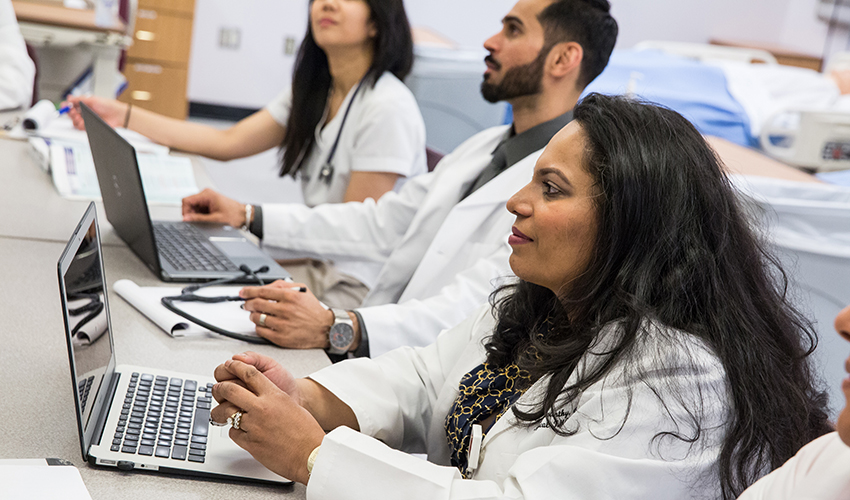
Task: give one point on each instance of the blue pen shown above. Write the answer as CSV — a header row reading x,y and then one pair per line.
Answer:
x,y
64,109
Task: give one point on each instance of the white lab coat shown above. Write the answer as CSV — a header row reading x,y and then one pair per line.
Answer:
x,y
17,70
401,401
819,471
431,260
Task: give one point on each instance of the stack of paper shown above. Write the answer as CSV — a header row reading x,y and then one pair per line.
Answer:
x,y
64,152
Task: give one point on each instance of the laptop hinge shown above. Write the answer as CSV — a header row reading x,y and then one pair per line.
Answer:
x,y
101,422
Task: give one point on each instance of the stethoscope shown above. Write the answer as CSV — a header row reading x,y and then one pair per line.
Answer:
x,y
327,171
188,294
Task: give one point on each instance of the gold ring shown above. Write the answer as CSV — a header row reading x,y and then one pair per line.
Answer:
x,y
262,321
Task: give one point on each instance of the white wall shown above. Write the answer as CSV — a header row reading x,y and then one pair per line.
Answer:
x,y
469,23
792,24
253,74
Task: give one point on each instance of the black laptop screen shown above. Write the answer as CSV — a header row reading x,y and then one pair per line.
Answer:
x,y
86,316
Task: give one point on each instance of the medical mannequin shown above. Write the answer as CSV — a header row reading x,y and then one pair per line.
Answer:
x,y
361,48
17,70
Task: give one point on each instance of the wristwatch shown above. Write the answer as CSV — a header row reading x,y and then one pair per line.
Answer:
x,y
341,335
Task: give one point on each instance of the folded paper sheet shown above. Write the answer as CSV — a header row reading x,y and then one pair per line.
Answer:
x,y
227,315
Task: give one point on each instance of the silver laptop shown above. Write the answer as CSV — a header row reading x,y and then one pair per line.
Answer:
x,y
174,251
132,417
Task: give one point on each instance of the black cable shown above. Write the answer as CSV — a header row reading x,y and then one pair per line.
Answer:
x,y
188,295
93,308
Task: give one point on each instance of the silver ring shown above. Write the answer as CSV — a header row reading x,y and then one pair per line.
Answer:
x,y
235,419
262,321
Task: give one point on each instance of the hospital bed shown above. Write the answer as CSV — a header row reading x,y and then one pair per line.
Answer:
x,y
724,94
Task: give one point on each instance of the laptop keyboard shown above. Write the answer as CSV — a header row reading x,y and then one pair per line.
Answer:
x,y
83,389
188,249
163,417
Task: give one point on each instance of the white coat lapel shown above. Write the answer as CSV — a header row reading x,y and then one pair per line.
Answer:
x,y
504,185
479,207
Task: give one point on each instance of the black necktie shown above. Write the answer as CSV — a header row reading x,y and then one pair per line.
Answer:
x,y
497,164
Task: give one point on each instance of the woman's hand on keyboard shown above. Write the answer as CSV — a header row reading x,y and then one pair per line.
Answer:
x,y
273,427
273,370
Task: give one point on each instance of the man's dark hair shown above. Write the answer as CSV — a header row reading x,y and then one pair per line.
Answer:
x,y
586,22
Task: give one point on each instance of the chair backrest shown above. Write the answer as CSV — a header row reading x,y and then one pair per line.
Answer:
x,y
432,157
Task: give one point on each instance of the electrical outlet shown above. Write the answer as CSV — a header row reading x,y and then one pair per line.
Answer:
x,y
229,38
289,45
839,10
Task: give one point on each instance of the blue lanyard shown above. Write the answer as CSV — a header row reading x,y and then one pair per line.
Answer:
x,y
327,172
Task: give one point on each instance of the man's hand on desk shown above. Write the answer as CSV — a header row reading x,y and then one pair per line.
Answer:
x,y
293,319
211,206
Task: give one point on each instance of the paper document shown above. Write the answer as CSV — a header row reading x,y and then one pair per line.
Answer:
x,y
227,315
62,129
31,479
166,179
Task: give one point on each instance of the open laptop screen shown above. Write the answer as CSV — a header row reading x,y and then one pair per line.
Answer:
x,y
83,293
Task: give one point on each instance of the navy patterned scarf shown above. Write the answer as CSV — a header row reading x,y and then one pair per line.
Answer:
x,y
486,390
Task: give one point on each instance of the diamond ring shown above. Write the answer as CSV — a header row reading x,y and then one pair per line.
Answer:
x,y
234,420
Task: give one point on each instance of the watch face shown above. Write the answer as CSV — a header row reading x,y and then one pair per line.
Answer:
x,y
341,336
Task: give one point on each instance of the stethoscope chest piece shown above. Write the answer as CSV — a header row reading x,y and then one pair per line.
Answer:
x,y
326,173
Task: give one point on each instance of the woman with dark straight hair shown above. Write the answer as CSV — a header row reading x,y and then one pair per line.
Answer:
x,y
347,126
646,348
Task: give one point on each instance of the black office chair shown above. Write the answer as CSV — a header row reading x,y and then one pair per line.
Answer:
x,y
432,158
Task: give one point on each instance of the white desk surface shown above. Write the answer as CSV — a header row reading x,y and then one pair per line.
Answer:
x,y
37,407
33,209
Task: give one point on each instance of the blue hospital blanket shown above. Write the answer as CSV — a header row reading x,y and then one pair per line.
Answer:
x,y
697,91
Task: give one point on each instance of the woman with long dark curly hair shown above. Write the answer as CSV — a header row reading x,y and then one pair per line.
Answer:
x,y
646,350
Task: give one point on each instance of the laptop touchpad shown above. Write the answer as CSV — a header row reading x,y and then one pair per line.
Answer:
x,y
235,248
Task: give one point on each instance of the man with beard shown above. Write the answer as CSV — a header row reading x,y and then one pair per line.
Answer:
x,y
432,252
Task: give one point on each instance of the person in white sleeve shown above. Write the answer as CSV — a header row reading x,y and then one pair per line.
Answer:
x,y
17,70
348,126
430,253
821,469
645,351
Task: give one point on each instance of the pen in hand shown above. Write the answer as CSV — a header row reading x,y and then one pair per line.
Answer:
x,y
302,289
